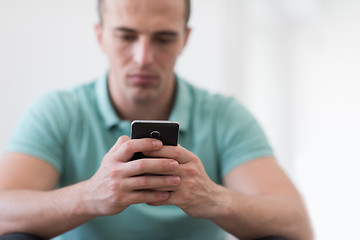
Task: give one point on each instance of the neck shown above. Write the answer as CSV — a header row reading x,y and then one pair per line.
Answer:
x,y
156,109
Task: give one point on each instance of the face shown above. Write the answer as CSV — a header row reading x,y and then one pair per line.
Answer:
x,y
142,40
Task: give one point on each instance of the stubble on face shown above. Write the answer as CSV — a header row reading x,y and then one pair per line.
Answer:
x,y
142,44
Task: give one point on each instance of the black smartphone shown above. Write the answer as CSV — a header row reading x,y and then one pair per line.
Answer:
x,y
165,131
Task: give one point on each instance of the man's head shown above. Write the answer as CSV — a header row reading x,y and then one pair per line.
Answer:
x,y
101,10
142,40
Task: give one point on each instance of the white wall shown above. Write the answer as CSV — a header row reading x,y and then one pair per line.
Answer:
x,y
295,64
43,45
327,116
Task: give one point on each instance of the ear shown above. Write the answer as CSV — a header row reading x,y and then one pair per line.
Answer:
x,y
187,35
188,31
99,35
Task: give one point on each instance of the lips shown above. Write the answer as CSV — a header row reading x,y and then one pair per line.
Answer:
x,y
143,79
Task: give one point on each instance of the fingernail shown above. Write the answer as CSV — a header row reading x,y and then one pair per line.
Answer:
x,y
157,144
176,180
174,165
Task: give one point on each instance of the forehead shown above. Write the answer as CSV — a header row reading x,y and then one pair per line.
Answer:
x,y
145,15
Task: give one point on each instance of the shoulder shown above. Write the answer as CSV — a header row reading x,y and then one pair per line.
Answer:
x,y
219,105
220,113
60,107
63,100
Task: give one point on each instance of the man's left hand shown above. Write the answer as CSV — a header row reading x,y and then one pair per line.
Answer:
x,y
197,195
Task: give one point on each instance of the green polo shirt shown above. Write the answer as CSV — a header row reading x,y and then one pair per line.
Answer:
x,y
73,130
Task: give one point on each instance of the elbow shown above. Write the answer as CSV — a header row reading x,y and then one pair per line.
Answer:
x,y
303,228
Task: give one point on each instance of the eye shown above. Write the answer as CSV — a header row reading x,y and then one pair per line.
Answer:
x,y
164,39
128,37
125,36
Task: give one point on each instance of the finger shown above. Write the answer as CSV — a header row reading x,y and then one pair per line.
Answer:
x,y
126,148
118,143
151,182
160,203
147,197
154,204
178,153
151,166
167,189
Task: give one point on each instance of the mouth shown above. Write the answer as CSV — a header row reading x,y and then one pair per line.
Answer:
x,y
142,79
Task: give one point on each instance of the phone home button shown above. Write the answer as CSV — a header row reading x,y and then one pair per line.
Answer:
x,y
155,134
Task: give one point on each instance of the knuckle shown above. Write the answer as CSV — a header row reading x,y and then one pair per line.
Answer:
x,y
121,140
115,189
190,185
114,186
140,165
126,146
124,138
176,152
113,173
165,165
143,181
191,171
115,199
195,159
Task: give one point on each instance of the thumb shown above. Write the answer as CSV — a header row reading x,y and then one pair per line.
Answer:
x,y
118,143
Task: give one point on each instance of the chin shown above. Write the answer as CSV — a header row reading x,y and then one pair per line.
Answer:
x,y
142,99
144,96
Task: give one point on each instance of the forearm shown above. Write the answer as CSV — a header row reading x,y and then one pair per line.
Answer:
x,y
250,217
45,214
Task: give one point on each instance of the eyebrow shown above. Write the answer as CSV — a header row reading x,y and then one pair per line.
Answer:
x,y
164,32
167,33
125,29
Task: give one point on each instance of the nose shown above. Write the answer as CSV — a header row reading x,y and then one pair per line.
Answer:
x,y
143,53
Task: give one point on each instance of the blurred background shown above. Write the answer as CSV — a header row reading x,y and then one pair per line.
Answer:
x,y
294,64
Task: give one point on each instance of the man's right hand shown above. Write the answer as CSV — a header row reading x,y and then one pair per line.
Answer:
x,y
28,194
118,183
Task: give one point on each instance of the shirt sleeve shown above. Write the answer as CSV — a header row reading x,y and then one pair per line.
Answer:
x,y
241,138
41,131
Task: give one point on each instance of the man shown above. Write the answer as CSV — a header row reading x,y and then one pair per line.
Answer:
x,y
62,172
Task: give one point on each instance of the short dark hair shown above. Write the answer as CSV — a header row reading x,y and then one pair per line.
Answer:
x,y
101,7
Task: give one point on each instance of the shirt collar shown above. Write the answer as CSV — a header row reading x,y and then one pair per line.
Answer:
x,y
105,105
179,113
182,105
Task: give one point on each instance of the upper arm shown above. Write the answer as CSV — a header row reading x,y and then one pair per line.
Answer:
x,y
240,137
22,171
261,176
